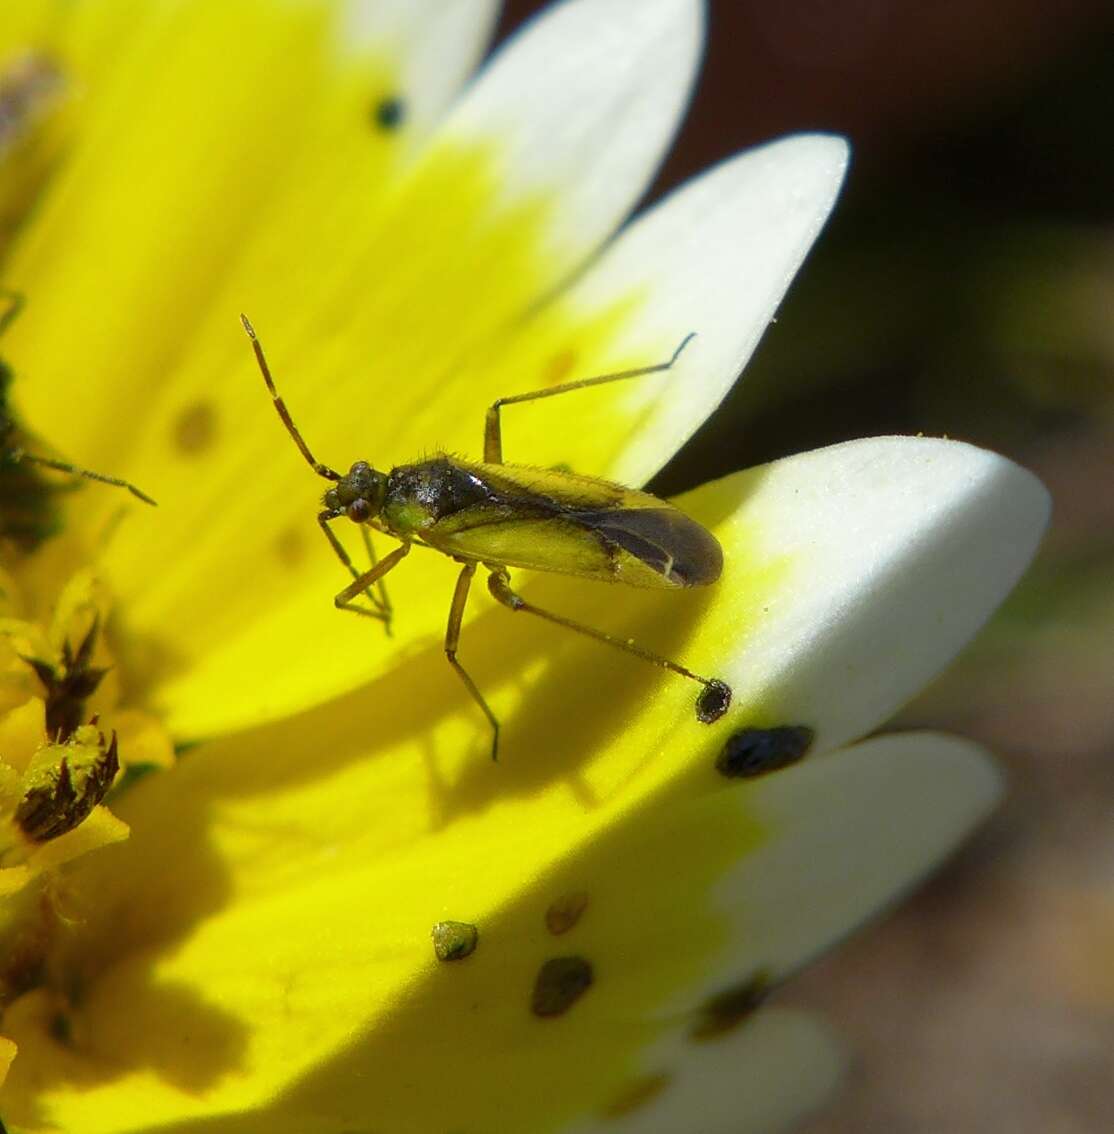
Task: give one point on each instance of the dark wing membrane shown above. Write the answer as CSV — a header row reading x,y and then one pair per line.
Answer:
x,y
663,538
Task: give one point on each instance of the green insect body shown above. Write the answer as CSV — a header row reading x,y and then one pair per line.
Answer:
x,y
545,520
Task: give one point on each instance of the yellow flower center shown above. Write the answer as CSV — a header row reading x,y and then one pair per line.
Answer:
x,y
61,719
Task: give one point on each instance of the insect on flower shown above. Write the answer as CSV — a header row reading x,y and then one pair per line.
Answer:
x,y
23,496
498,515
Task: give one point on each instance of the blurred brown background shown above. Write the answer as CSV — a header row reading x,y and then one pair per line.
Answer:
x,y
965,286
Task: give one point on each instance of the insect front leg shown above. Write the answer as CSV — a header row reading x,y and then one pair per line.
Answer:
x,y
362,582
493,433
383,613
452,640
381,586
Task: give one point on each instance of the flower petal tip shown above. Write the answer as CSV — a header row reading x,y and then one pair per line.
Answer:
x,y
1020,492
816,159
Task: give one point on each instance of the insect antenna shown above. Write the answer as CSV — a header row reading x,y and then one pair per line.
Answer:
x,y
280,406
17,455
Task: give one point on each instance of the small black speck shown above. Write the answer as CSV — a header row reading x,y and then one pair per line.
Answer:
x,y
389,113
61,1029
752,752
560,983
713,702
728,1009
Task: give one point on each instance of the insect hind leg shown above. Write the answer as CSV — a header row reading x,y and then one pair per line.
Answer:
x,y
715,691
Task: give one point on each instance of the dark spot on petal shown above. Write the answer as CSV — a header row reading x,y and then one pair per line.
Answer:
x,y
752,752
195,429
565,912
560,983
713,702
454,940
389,113
290,546
635,1096
61,1029
24,964
728,1009
559,367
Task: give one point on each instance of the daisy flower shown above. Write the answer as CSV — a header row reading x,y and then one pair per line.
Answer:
x,y
332,912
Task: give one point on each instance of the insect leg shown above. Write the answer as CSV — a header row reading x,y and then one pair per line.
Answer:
x,y
381,586
452,640
493,436
382,612
362,584
280,407
499,584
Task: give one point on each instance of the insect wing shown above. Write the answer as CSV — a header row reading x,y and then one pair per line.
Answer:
x,y
547,520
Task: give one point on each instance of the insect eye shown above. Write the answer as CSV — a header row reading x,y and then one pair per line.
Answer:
x,y
359,511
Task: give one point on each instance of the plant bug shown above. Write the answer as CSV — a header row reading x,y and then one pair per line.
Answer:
x,y
498,516
24,497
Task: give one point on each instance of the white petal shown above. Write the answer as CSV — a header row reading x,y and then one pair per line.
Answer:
x,y
583,102
715,257
762,1078
848,833
818,849
894,551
